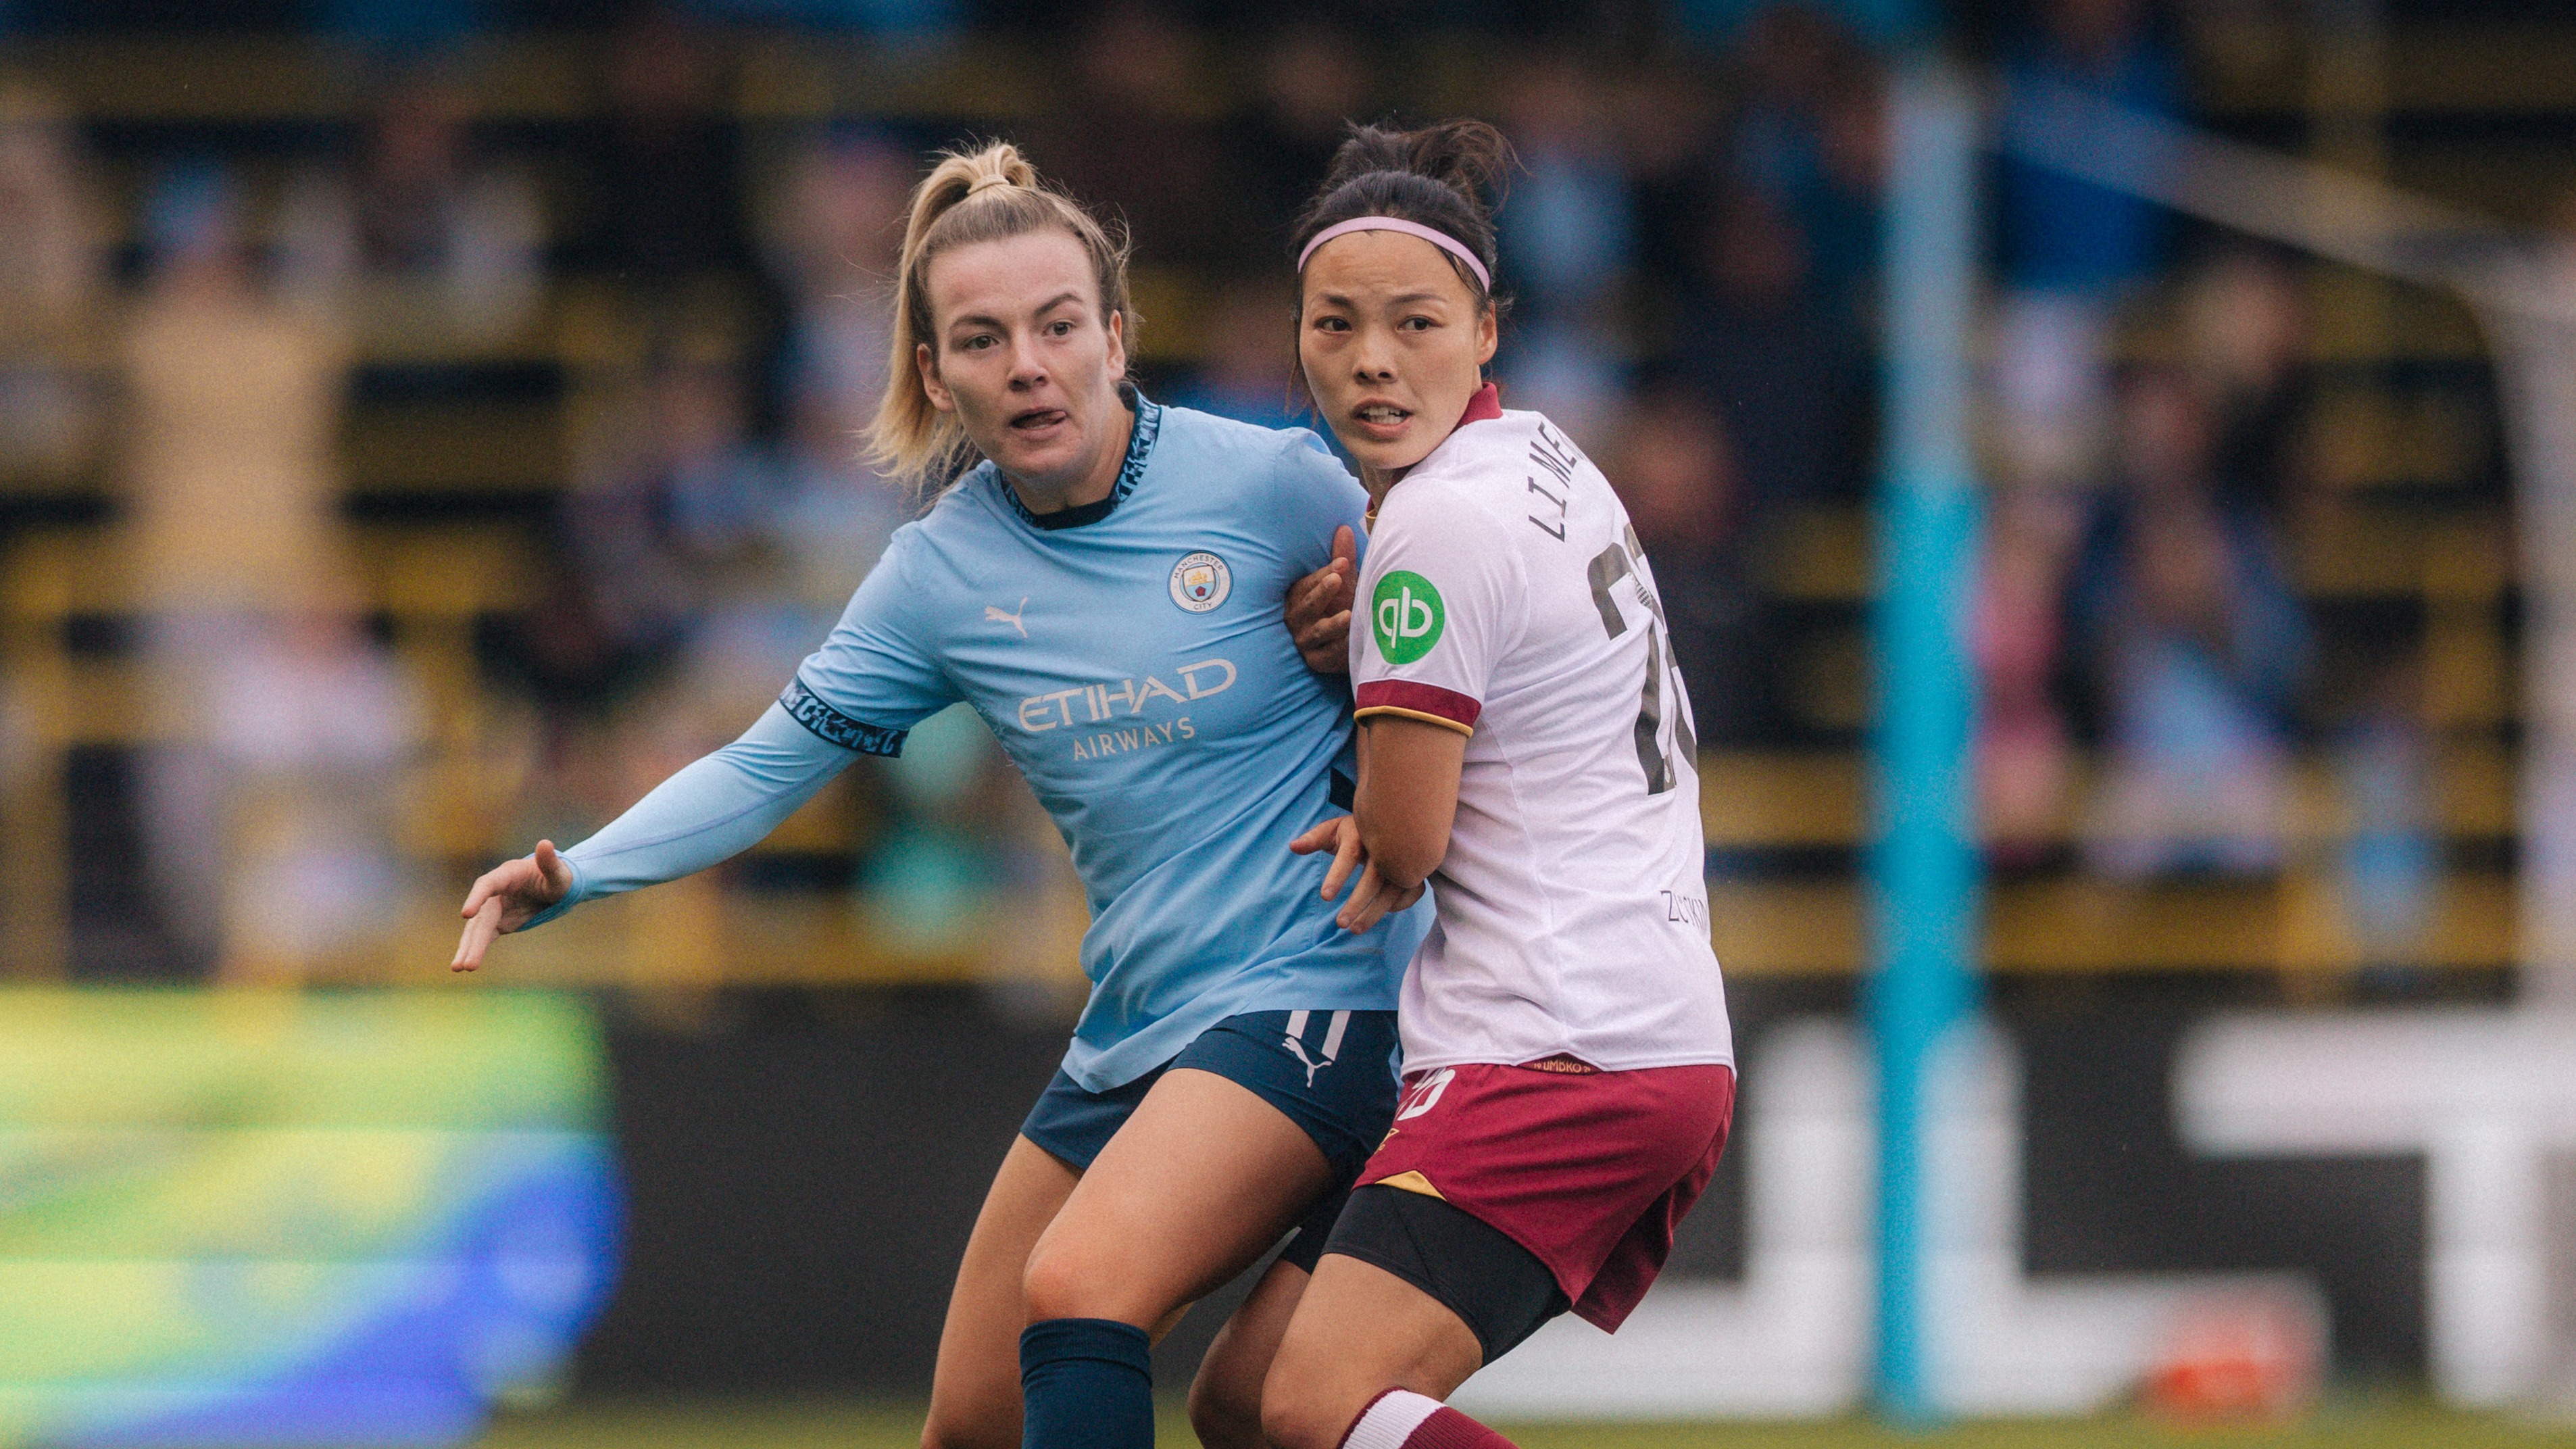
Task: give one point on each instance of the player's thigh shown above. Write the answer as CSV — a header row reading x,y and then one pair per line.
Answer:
x,y
1225,1397
1358,1331
1199,1181
975,1390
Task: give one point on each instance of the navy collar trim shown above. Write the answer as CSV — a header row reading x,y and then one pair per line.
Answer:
x,y
1140,451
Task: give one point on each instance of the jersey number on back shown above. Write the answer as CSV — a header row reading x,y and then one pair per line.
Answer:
x,y
1616,562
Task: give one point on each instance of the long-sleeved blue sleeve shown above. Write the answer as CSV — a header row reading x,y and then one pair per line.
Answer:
x,y
711,810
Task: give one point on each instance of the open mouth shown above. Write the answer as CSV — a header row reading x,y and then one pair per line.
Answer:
x,y
1037,418
1380,415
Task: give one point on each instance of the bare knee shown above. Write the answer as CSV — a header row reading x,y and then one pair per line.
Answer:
x,y
1296,1409
1066,1282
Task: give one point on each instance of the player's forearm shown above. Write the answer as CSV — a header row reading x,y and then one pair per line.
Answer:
x,y
1408,796
713,809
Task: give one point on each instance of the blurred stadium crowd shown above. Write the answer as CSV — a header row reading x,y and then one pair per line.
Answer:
x,y
424,425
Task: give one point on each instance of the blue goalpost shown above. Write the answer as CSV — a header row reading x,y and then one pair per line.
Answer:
x,y
1923,868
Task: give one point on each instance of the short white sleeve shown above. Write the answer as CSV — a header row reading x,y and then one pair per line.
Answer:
x,y
1441,603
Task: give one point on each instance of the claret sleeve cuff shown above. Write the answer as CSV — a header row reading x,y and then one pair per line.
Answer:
x,y
1415,700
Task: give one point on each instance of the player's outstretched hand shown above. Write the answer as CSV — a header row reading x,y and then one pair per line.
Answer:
x,y
507,897
1319,607
1341,836
1372,898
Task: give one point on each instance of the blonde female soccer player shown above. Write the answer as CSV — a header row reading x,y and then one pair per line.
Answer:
x,y
1526,745
1103,585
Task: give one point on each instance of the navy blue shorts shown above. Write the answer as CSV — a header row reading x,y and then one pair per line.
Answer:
x,y
1331,1072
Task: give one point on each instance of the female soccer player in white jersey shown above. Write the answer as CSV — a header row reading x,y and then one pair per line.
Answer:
x,y
1526,745
1105,589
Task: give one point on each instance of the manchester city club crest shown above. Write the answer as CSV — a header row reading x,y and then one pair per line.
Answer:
x,y
1200,582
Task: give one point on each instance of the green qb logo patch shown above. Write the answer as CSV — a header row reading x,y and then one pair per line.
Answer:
x,y
1407,616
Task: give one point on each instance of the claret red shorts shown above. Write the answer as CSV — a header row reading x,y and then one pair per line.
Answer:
x,y
1588,1170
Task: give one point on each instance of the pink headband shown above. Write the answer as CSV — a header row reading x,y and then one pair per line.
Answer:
x,y
1440,239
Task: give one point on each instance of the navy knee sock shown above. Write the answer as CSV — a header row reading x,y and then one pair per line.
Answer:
x,y
1086,1383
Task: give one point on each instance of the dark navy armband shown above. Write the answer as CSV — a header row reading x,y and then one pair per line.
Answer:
x,y
810,710
1343,792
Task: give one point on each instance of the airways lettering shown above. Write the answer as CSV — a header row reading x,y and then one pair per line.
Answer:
x,y
1126,741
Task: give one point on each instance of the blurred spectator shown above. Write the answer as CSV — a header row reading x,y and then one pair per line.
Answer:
x,y
1809,136
1568,237
400,27
668,178
2062,234
831,518
1310,83
2071,249
941,851
1789,380
51,258
1141,143
899,20
1678,474
1245,355
1881,20
420,238
2024,765
1567,371
235,410
2391,857
1668,141
2245,330
829,236
309,722
250,596
668,495
1569,231
2202,646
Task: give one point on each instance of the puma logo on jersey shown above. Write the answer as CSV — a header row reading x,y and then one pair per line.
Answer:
x,y
993,614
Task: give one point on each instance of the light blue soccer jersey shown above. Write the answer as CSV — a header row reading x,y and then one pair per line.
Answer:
x,y
1137,669
1133,660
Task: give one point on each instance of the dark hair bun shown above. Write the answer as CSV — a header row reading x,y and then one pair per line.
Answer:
x,y
1448,176
1469,156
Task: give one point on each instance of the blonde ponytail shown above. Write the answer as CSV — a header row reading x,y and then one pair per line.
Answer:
x,y
969,197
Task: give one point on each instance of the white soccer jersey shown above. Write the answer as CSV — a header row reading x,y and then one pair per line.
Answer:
x,y
1506,597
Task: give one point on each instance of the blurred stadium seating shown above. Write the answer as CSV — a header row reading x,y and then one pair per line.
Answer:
x,y
455,449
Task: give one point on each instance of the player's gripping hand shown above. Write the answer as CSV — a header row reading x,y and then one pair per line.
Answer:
x,y
1319,607
507,897
1372,898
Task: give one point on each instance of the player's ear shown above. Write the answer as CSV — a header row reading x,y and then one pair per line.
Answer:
x,y
1489,334
1117,343
931,387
